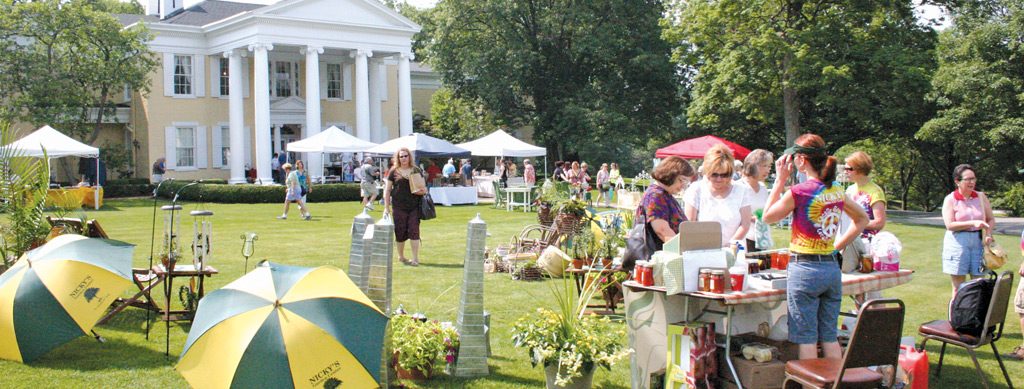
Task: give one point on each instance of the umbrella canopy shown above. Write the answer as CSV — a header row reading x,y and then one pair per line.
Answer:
x,y
331,140
422,145
285,326
696,147
500,144
57,292
56,144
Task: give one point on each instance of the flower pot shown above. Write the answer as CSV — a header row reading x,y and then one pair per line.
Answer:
x,y
414,374
606,262
582,382
577,263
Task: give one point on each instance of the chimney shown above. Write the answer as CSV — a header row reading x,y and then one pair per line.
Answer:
x,y
168,7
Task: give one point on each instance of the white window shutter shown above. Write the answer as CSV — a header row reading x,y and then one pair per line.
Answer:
x,y
346,76
245,77
199,74
248,146
324,76
382,80
215,77
218,135
201,149
168,74
170,147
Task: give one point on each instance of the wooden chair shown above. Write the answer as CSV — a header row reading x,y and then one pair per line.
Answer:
x,y
875,341
499,194
535,238
942,330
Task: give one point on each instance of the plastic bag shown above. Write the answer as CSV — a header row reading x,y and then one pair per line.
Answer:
x,y
886,250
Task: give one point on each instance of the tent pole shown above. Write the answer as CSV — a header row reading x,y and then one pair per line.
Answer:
x,y
96,192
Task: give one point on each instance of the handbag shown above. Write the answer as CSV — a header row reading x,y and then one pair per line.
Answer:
x,y
303,190
641,242
427,210
994,256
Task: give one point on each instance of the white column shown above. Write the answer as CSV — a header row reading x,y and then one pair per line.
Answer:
x,y
261,98
237,118
376,121
313,161
404,95
362,94
277,138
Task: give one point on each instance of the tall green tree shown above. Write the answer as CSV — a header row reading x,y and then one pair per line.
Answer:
x,y
592,77
979,90
457,119
61,62
764,71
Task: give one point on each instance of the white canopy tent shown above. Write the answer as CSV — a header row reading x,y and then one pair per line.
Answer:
x,y
56,145
421,145
500,144
331,140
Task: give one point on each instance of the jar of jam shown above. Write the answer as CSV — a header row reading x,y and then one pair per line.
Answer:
x,y
717,283
704,280
645,274
753,266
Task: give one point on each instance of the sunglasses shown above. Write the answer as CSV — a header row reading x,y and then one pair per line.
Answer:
x,y
404,156
849,169
720,175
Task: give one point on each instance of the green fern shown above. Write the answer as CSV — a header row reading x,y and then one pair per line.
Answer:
x,y
23,185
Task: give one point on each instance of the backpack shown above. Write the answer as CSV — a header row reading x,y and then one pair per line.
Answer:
x,y
969,305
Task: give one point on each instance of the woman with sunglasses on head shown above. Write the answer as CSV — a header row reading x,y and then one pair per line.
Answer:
x,y
814,288
755,169
969,222
716,198
402,201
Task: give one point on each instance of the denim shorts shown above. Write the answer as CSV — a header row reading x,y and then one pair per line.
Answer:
x,y
962,252
814,292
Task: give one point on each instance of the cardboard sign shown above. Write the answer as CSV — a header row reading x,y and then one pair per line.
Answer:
x,y
700,236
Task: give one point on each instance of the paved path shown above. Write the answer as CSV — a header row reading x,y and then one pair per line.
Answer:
x,y
1004,225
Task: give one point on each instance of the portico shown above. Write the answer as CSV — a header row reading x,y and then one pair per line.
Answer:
x,y
311,61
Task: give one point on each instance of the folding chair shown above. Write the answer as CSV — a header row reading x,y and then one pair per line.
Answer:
x,y
875,342
499,194
942,330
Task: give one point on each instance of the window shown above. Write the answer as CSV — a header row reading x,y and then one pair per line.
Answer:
x,y
185,147
224,77
285,80
225,146
334,81
183,74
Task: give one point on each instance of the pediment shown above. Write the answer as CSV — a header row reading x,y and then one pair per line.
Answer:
x,y
354,12
289,104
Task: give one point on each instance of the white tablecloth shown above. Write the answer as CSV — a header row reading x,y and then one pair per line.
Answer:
x,y
485,185
449,195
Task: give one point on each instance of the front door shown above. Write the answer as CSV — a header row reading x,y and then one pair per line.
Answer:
x,y
290,133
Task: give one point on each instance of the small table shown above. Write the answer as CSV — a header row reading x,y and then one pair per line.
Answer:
x,y
449,195
510,198
147,279
610,298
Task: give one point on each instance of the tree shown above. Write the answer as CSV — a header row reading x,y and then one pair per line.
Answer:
x,y
849,69
62,61
978,88
458,120
592,78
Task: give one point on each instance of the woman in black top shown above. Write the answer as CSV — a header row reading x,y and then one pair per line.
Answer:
x,y
403,204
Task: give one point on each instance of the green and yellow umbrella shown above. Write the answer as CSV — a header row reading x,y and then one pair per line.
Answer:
x,y
57,292
285,326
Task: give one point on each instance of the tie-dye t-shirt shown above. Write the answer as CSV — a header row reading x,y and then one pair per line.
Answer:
x,y
866,196
816,214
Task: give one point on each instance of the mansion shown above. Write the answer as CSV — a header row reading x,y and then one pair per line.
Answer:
x,y
239,81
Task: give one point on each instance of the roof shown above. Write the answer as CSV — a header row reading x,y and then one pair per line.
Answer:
x,y
129,19
208,11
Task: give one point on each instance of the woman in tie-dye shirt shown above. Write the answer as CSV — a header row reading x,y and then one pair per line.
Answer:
x,y
865,192
814,288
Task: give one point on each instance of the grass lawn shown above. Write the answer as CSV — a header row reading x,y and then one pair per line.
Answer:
x,y
127,359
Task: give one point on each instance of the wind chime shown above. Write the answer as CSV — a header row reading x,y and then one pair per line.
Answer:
x,y
202,238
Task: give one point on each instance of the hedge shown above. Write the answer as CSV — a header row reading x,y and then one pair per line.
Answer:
x,y
251,194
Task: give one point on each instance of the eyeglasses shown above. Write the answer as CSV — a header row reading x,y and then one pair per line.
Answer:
x,y
972,179
720,175
849,169
403,156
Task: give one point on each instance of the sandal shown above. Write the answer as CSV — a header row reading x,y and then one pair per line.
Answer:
x,y
1017,354
413,263
403,260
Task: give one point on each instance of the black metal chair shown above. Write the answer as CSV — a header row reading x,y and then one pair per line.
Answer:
x,y
875,341
942,330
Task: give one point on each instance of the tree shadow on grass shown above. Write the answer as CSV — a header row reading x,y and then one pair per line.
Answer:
x,y
441,265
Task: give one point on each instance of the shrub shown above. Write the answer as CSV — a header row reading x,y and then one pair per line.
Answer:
x,y
1012,200
252,194
127,190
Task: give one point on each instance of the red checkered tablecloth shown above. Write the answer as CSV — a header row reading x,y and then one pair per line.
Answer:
x,y
852,284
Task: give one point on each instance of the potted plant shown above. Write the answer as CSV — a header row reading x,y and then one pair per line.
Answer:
x,y
570,215
417,344
23,190
569,344
546,200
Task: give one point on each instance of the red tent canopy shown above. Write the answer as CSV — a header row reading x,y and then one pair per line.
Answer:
x,y
697,147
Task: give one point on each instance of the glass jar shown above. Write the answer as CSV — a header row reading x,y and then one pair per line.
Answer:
x,y
717,283
704,280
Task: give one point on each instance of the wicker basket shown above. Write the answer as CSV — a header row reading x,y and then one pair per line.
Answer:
x,y
528,274
569,223
544,215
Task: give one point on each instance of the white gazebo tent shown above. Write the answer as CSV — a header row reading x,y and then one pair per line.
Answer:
x,y
56,145
500,144
331,140
421,145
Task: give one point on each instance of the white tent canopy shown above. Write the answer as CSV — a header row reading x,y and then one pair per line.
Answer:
x,y
500,144
421,145
331,140
55,143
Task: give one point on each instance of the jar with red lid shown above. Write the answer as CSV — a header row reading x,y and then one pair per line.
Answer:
x,y
644,274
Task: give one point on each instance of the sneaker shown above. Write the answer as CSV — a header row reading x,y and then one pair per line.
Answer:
x,y
283,217
369,206
307,217
1017,354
